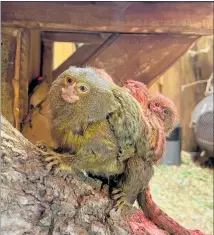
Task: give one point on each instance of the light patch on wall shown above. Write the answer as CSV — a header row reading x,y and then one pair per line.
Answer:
x,y
61,52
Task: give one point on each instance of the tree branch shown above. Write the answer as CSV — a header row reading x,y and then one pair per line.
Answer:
x,y
37,201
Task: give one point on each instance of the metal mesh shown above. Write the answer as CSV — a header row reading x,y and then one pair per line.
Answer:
x,y
204,131
205,105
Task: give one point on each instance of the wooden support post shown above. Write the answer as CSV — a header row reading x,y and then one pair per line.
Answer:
x,y
24,74
146,56
47,55
35,55
9,38
15,76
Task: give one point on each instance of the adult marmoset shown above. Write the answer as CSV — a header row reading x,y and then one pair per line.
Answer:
x,y
95,120
100,123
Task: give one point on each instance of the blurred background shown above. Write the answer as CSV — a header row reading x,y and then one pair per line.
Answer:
x,y
171,55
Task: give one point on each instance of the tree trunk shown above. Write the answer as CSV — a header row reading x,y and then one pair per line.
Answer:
x,y
38,201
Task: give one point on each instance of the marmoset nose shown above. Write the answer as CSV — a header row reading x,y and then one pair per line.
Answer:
x,y
155,108
70,89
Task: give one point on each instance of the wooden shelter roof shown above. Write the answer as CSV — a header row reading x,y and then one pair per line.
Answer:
x,y
130,40
123,17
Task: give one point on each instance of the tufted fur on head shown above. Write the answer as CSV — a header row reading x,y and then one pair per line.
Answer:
x,y
138,90
164,109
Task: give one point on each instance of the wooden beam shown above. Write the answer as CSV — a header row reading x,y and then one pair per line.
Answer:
x,y
102,48
91,38
47,58
142,57
9,96
24,73
15,74
35,54
136,17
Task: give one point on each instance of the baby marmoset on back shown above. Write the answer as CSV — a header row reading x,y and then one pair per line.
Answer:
x,y
162,111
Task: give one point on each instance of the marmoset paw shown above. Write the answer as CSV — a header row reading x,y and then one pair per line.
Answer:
x,y
120,197
59,162
42,145
124,155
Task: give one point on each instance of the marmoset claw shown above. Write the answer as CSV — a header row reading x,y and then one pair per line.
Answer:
x,y
59,162
42,145
126,154
120,197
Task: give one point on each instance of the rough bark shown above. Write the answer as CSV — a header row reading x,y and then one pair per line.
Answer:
x,y
36,201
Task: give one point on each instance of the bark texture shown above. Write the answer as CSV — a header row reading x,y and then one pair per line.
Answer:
x,y
39,202
36,201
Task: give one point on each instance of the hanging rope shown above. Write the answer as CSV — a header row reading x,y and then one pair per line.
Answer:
x,y
209,87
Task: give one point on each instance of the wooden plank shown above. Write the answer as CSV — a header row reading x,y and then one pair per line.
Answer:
x,y
47,58
15,74
24,75
35,54
136,17
142,57
91,38
102,48
8,56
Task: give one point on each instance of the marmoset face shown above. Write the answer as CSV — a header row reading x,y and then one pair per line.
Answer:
x,y
73,90
164,109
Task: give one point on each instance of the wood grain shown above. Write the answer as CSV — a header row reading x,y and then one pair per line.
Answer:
x,y
15,76
35,54
24,75
47,57
141,57
8,56
135,17
91,38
